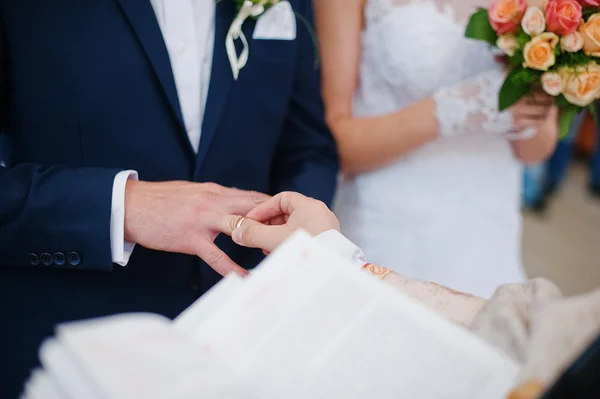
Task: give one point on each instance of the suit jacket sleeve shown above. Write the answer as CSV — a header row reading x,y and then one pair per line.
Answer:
x,y
307,160
62,213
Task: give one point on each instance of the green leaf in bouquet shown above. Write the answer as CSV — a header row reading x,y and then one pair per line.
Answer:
x,y
479,27
517,58
513,88
588,12
522,38
567,115
561,102
565,58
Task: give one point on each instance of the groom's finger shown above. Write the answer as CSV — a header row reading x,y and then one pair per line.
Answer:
x,y
236,192
240,203
217,259
252,234
220,223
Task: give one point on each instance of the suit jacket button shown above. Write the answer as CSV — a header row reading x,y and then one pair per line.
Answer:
x,y
33,259
59,259
46,259
73,258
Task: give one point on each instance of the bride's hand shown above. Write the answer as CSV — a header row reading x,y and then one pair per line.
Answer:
x,y
273,221
534,111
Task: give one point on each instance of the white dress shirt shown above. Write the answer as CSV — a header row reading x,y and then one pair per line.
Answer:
x,y
188,30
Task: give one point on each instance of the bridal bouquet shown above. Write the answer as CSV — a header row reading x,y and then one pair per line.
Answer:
x,y
554,44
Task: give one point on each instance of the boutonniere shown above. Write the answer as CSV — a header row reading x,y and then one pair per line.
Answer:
x,y
246,9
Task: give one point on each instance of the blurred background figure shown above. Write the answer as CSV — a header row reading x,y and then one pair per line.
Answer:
x,y
582,141
562,211
533,186
560,161
578,149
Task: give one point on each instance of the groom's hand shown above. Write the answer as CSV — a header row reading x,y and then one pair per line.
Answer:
x,y
186,218
273,221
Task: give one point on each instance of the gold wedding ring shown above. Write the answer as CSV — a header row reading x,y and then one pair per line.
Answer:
x,y
239,222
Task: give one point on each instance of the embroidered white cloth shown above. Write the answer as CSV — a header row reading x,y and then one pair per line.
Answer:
x,y
538,327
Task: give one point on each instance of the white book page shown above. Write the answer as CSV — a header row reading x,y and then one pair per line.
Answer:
x,y
215,306
323,329
143,356
191,319
274,283
41,386
67,375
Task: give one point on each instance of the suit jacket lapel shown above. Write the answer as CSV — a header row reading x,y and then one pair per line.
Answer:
x,y
143,21
220,81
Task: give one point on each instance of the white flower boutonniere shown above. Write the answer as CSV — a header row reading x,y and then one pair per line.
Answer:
x,y
246,9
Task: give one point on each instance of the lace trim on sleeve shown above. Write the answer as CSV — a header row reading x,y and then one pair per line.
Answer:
x,y
472,106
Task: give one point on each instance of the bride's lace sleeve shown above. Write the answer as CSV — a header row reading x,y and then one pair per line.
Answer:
x,y
471,106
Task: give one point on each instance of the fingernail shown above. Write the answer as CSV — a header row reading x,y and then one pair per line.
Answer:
x,y
237,235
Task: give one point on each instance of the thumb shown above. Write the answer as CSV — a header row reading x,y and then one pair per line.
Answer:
x,y
253,234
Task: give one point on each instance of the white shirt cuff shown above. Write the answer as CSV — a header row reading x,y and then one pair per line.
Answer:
x,y
334,241
121,250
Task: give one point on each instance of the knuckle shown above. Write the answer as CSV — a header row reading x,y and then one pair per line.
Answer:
x,y
214,187
215,257
321,205
210,196
290,194
256,197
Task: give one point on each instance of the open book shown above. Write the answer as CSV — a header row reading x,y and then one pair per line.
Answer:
x,y
305,324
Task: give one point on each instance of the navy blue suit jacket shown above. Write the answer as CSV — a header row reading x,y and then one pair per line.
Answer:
x,y
86,91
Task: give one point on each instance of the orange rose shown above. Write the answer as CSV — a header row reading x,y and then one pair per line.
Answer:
x,y
539,51
582,84
590,31
505,15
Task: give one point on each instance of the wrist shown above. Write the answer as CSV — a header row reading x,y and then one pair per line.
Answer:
x,y
132,212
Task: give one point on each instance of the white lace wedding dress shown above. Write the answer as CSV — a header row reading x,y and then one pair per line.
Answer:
x,y
449,211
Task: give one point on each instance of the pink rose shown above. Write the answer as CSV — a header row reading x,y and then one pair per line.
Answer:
x,y
533,22
552,83
563,16
505,15
573,42
589,3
